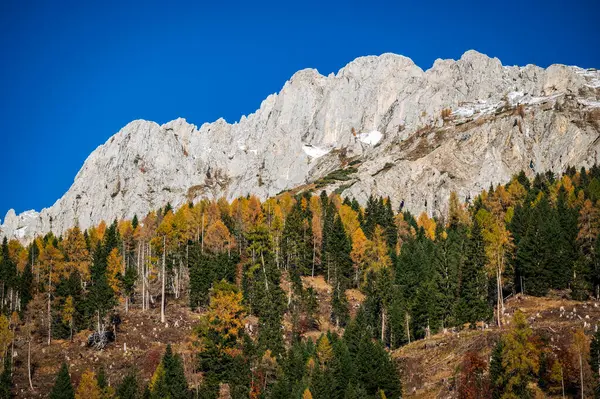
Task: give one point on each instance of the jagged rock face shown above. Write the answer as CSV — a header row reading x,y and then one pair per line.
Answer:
x,y
382,114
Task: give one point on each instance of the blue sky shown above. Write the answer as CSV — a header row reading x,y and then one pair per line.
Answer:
x,y
73,73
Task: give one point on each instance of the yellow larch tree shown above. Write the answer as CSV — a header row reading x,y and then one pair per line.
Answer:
x,y
428,224
497,242
114,263
349,219
76,253
226,312
359,248
218,239
376,255
88,387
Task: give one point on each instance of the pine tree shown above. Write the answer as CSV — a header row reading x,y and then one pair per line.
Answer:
x,y
595,362
100,298
174,375
6,379
128,389
338,255
472,305
376,371
449,261
8,277
536,252
63,389
497,370
26,287
263,287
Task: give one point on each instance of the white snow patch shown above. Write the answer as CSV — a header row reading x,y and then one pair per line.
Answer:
x,y
463,112
592,76
590,103
477,109
20,232
370,138
515,96
314,152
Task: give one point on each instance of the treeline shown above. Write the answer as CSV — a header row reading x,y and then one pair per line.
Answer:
x,y
420,274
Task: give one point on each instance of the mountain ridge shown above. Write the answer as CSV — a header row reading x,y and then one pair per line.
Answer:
x,y
317,124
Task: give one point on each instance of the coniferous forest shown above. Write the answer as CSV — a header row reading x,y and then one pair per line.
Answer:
x,y
246,270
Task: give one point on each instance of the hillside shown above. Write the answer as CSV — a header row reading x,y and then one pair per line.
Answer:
x,y
409,134
310,294
428,368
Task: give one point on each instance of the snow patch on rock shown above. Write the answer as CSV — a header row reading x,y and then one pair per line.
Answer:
x,y
314,152
370,138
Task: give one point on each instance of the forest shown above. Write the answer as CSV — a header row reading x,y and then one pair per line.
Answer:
x,y
242,267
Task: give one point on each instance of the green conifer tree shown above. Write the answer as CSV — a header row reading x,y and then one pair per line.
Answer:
x,y
6,379
63,389
472,303
128,389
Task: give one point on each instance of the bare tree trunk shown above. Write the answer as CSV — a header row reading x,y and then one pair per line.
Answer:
x,y
500,301
162,299
202,242
383,326
407,327
312,274
262,259
29,360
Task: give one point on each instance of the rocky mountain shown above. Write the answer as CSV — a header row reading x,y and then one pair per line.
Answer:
x,y
381,126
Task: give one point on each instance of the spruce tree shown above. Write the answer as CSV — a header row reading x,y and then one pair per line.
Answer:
x,y
6,379
174,375
376,370
536,251
26,286
128,389
63,389
497,371
100,298
338,255
594,361
8,276
472,305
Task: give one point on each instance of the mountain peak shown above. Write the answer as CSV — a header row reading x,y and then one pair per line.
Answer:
x,y
455,127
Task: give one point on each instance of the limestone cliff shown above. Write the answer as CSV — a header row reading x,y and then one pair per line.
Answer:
x,y
399,131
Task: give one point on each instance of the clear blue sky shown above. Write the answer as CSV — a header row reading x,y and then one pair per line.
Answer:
x,y
72,73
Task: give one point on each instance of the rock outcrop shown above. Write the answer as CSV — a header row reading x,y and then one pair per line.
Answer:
x,y
399,131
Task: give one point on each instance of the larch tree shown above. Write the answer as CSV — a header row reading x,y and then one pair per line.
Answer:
x,y
88,387
358,253
217,238
520,359
52,262
428,224
77,255
498,243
